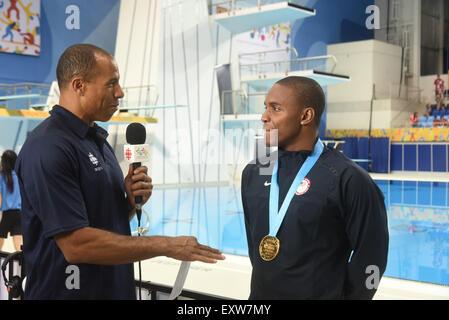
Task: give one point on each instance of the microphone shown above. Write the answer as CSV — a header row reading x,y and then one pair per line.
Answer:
x,y
136,152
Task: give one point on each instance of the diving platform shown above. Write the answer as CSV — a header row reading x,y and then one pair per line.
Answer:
x,y
258,74
266,81
23,96
240,16
263,74
242,117
134,108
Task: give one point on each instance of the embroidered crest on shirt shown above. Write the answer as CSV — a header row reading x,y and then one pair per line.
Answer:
x,y
95,162
303,187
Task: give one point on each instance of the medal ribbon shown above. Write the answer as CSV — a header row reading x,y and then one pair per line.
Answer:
x,y
276,217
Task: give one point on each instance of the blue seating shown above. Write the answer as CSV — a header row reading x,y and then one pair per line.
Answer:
x,y
422,121
438,113
429,122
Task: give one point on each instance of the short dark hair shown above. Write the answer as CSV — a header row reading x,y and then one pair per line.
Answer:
x,y
78,61
308,92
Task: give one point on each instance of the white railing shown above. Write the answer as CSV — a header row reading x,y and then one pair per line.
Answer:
x,y
139,100
321,63
399,91
242,103
24,95
269,55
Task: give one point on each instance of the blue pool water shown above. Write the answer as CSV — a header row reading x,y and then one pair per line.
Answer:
x,y
418,220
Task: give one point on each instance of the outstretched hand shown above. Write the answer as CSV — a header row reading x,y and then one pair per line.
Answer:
x,y
188,249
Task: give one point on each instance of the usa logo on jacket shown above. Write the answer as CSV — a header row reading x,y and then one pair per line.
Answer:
x,y
303,187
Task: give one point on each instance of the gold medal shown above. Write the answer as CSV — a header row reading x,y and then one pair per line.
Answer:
x,y
269,248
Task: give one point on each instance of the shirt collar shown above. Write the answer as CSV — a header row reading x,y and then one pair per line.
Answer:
x,y
77,125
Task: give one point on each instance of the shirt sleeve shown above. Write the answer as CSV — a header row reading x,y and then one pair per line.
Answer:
x,y
49,178
367,230
245,211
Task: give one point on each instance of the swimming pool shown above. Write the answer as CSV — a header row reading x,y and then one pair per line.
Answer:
x,y
418,221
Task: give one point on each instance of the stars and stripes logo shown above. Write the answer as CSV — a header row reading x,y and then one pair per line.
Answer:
x,y
303,187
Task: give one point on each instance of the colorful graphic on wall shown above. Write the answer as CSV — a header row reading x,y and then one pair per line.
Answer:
x,y
20,26
279,35
272,39
396,135
266,38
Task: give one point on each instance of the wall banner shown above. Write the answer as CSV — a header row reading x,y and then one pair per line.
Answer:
x,y
20,27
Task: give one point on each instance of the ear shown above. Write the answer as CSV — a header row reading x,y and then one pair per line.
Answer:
x,y
78,85
307,116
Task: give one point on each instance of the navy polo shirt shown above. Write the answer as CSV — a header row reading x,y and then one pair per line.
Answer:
x,y
70,179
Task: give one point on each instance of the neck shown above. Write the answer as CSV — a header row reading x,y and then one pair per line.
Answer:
x,y
304,142
75,109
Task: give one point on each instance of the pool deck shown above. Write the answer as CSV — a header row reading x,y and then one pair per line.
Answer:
x,y
231,279
412,176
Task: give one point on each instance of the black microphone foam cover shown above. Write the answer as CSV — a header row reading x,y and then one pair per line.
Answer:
x,y
136,133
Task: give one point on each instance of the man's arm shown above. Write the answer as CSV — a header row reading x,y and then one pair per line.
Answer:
x,y
246,212
367,231
96,246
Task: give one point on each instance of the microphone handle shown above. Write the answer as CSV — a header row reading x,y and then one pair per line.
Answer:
x,y
136,165
138,200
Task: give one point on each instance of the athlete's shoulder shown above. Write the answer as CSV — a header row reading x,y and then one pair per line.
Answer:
x,y
338,163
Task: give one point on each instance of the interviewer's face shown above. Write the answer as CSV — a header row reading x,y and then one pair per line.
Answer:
x,y
103,91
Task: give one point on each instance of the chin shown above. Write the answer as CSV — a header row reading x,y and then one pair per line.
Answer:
x,y
106,118
269,143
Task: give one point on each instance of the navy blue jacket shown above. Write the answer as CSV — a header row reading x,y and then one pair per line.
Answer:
x,y
339,209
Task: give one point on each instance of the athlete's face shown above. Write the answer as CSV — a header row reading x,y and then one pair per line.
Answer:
x,y
282,113
103,92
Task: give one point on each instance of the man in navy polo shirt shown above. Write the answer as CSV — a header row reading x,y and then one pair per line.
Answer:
x,y
76,204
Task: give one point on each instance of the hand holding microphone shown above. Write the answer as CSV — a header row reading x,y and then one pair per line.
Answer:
x,y
138,184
